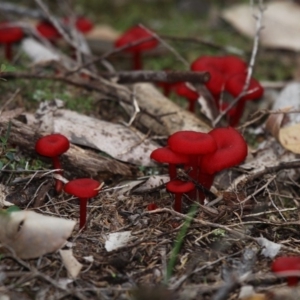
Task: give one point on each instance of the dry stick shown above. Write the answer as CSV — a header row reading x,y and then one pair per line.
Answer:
x,y
158,76
259,27
110,92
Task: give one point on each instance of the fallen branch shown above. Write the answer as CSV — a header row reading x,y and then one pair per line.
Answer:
x,y
76,160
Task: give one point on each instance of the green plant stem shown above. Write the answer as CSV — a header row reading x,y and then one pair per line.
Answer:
x,y
180,237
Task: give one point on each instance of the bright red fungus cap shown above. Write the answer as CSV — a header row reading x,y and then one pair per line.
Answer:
x,y
52,145
82,24
133,35
47,30
82,188
191,142
179,186
166,155
235,84
231,151
10,34
289,267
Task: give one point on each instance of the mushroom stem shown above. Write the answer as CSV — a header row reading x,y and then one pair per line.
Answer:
x,y
192,106
57,165
8,51
206,180
82,216
177,203
137,61
239,109
172,171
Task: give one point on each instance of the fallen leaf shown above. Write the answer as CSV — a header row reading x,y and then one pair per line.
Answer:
x,y
72,265
281,24
290,139
117,239
270,249
31,235
274,122
152,182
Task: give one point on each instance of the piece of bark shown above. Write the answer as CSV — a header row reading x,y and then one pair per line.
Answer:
x,y
76,160
173,117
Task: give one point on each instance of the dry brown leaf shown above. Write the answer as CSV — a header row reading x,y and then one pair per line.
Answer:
x,y
256,297
281,24
289,138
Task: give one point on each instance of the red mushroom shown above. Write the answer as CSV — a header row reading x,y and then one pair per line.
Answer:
x,y
231,151
289,267
8,36
152,206
179,187
221,68
82,24
166,155
193,144
135,34
234,85
84,189
53,146
192,96
48,31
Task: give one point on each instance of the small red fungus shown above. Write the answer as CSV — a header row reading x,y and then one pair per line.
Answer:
x,y
8,36
289,267
82,24
178,188
193,144
53,146
151,206
84,189
234,85
48,31
132,35
191,95
166,155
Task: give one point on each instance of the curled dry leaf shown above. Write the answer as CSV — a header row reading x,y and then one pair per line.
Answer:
x,y
31,235
290,139
72,265
281,24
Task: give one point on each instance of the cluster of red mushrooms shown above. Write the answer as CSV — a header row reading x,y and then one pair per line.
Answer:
x,y
11,33
202,155
53,146
228,75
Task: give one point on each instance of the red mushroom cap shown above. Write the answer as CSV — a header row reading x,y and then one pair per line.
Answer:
x,y
191,142
232,150
82,24
179,186
47,30
235,84
133,35
183,90
287,266
166,155
82,187
232,65
10,34
52,145
211,64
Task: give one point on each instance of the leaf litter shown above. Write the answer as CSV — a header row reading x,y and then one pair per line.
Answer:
x,y
224,248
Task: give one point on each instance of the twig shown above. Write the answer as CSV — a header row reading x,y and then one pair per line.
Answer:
x,y
21,10
259,27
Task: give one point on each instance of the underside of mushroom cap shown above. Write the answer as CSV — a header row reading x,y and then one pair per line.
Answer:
x,y
179,186
166,155
192,142
232,150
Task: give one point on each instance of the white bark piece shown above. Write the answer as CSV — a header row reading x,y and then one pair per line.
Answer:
x,y
72,265
117,239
